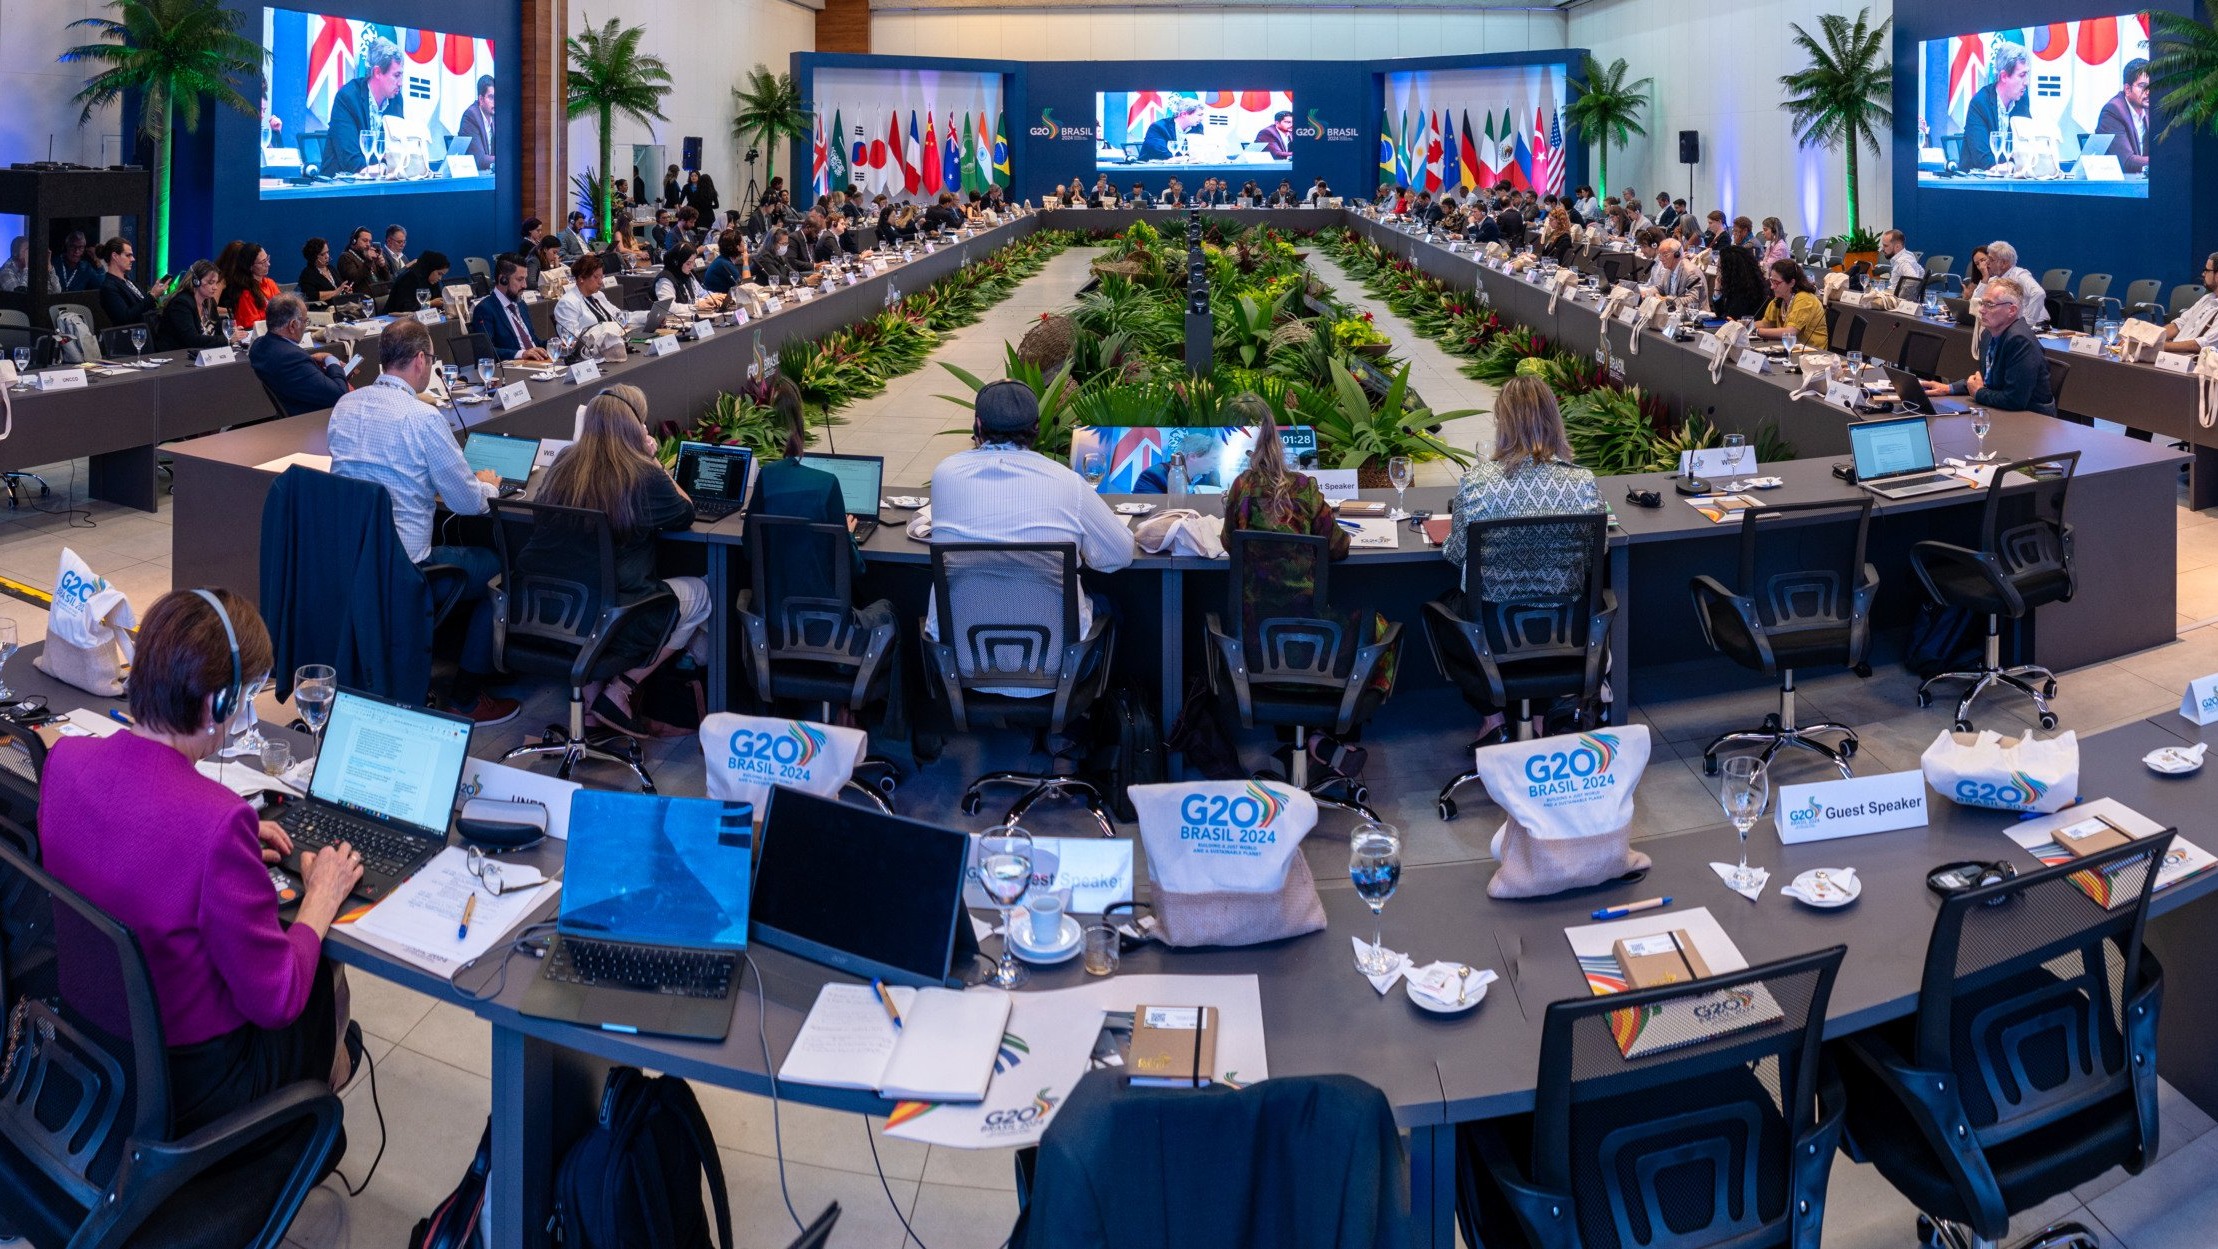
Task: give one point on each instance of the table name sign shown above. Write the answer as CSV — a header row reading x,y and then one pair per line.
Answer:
x,y
2176,361
585,371
60,379
1846,394
215,355
1850,808
702,328
512,396
1752,361
429,316
662,345
2200,702
2085,345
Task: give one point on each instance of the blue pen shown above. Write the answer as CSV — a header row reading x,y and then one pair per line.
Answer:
x,y
1620,912
1351,525
885,999
119,718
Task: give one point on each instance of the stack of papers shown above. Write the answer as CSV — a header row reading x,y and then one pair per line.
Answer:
x,y
420,922
1722,509
1371,534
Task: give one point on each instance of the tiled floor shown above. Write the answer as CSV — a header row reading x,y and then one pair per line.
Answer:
x,y
432,1058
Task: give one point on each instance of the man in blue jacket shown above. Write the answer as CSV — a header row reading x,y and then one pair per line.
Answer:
x,y
501,316
2013,373
302,380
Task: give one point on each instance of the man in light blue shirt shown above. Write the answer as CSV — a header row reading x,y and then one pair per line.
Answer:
x,y
383,433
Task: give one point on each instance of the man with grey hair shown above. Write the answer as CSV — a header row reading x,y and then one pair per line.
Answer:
x,y
1674,278
2002,266
1993,105
301,380
2013,373
363,104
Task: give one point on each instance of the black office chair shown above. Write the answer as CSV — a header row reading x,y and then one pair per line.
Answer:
x,y
1920,353
1714,1135
1529,638
2060,371
1293,661
2024,560
1852,336
116,343
815,647
548,624
26,914
1007,618
465,350
1612,268
1803,597
2030,1066
88,1155
2066,315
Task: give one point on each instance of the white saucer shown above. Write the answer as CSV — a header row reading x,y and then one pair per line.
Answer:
x,y
1477,995
1134,509
1849,887
1071,937
2173,761
907,502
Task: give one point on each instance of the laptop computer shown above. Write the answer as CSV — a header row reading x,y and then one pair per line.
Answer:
x,y
714,477
457,145
860,479
1914,399
654,915
509,457
1894,458
384,783
655,317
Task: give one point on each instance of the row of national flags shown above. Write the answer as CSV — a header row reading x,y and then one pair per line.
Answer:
x,y
926,158
1432,155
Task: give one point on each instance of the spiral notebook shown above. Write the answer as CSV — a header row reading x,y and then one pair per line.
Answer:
x,y
944,1050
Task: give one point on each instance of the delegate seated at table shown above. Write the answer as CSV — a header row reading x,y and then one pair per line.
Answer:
x,y
2197,327
1794,308
2013,373
501,317
302,380
1675,277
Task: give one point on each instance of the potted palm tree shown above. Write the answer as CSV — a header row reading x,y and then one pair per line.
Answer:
x,y
767,108
173,54
2183,68
609,75
1840,99
1606,109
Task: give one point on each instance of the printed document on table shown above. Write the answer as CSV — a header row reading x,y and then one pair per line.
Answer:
x,y
418,921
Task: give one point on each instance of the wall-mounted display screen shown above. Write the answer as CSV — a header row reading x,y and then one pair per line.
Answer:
x,y
1248,129
353,106
2061,107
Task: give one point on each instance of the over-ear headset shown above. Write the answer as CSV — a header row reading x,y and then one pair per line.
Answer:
x,y
610,392
226,700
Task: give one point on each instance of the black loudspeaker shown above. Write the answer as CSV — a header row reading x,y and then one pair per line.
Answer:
x,y
692,157
1690,147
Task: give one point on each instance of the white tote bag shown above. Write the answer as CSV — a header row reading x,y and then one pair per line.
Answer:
x,y
2004,774
87,643
749,755
1570,805
1225,861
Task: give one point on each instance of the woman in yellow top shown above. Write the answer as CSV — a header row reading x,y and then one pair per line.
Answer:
x,y
1794,308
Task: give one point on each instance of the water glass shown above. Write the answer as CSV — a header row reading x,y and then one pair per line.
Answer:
x,y
1736,452
1400,470
1856,366
1005,873
1375,867
1094,468
1982,421
1102,950
277,755
487,369
315,686
1744,790
1790,342
22,357
138,340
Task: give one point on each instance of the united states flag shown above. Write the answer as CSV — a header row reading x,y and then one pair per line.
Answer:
x,y
1548,162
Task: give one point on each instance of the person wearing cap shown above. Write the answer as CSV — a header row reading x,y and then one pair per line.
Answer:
x,y
1004,491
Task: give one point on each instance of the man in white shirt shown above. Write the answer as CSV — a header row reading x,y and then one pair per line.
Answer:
x,y
2197,327
1905,266
583,306
2002,265
1004,491
383,433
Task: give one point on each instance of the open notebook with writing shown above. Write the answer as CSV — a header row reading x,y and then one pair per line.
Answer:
x,y
944,1050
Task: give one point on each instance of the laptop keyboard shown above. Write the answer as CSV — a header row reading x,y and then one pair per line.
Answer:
x,y
644,968
1916,479
382,849
714,509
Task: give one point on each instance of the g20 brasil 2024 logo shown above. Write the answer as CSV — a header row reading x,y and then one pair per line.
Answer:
x,y
2019,791
1244,817
1806,817
1585,766
786,755
1317,129
1049,128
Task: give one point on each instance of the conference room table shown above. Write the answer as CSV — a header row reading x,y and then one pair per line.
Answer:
x,y
1321,1017
118,421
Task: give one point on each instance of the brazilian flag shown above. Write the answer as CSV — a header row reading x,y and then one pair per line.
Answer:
x,y
1000,150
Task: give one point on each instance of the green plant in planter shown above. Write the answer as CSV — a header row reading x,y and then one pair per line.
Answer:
x,y
1357,331
1244,326
1610,433
1352,432
1056,392
1151,320
1311,360
1500,361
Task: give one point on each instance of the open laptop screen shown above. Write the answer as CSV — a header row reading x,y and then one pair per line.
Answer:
x,y
1890,448
383,759
708,471
857,889
509,457
656,870
860,478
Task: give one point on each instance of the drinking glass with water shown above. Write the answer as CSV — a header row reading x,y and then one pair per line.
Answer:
x,y
315,686
1744,790
1375,867
1005,873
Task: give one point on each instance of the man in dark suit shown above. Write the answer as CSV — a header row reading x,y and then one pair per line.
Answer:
x,y
1512,225
1484,228
501,317
302,380
477,124
1991,105
1666,215
943,215
2013,374
2126,119
362,104
1277,139
1162,136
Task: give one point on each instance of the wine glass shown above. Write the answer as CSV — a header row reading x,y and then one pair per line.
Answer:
x,y
1400,470
1736,452
1093,468
7,651
22,356
1005,872
1744,790
1856,366
423,299
1994,145
487,369
1375,866
250,741
138,340
315,686
1982,421
1790,340
369,141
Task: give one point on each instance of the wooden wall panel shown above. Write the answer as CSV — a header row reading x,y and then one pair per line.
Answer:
x,y
843,26
545,129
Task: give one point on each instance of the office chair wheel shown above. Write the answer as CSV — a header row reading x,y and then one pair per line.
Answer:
x,y
1963,726
971,804
1447,808
1360,794
2048,719
1848,748
1924,699
2048,689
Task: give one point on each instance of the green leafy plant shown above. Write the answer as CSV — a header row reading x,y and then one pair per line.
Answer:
x,y
1056,393
1500,361
2183,70
172,54
767,109
1610,433
1357,331
1352,432
1605,109
1244,325
1840,99
609,76
1119,305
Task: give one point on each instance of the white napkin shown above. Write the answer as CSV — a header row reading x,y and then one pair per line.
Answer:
x,y
1844,880
1443,985
1725,873
1397,963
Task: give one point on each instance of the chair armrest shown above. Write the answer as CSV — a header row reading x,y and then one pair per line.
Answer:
x,y
154,1171
1924,555
605,629
1359,677
1548,1216
1928,1098
1473,637
756,635
1716,606
1813,1159
874,655
1098,637
939,657
2144,1008
1233,659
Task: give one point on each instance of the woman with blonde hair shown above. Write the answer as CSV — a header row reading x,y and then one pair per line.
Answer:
x,y
1531,472
612,469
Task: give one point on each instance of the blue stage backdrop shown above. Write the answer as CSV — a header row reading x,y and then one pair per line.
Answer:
x,y
2089,227
216,186
1220,115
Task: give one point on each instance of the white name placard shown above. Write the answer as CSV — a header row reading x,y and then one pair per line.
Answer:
x,y
1716,463
1752,361
513,395
1095,872
662,345
2176,361
429,316
774,304
1335,483
586,371
1846,394
61,379
702,329
1851,808
2200,702
1629,316
2085,345
215,355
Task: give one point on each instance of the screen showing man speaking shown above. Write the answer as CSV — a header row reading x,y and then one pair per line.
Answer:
x,y
1249,129
2061,107
352,106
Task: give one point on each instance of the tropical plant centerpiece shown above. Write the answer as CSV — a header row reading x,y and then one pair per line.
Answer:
x,y
766,110
610,76
1840,99
1605,109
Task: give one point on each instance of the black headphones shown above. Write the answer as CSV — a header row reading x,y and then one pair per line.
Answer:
x,y
226,700
611,393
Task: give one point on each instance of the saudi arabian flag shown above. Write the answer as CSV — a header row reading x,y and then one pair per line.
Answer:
x,y
836,165
1001,150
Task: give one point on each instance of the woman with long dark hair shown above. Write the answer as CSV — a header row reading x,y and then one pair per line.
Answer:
x,y
1740,283
1794,307
247,289
188,320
